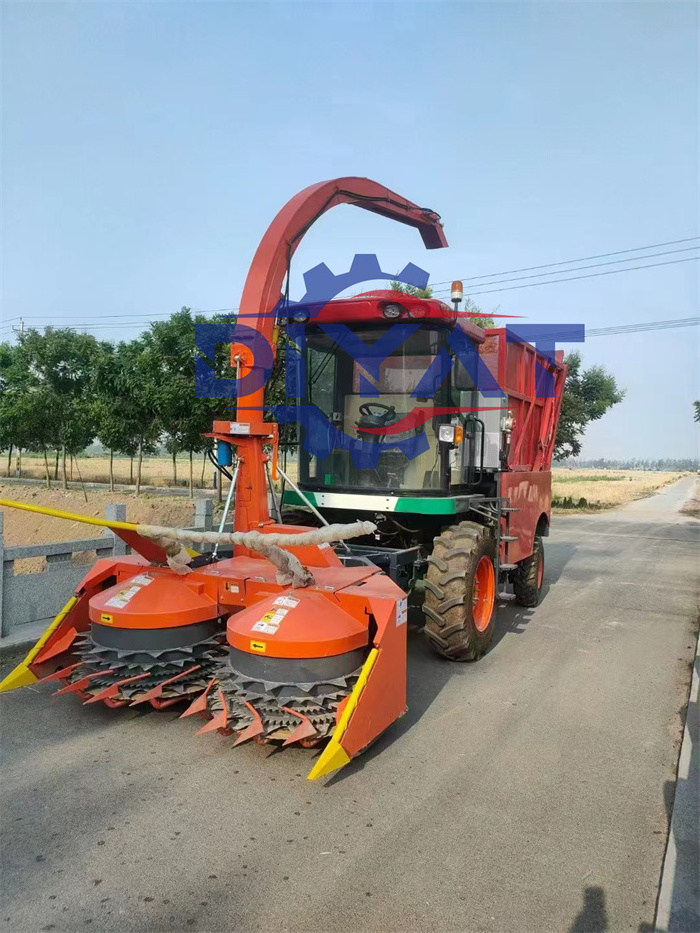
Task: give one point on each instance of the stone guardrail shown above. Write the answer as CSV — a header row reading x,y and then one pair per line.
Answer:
x,y
34,597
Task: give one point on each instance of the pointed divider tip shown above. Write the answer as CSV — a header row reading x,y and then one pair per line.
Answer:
x,y
255,728
332,757
21,676
157,691
305,729
220,720
199,705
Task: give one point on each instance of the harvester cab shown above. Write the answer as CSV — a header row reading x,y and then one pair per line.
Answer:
x,y
452,469
414,481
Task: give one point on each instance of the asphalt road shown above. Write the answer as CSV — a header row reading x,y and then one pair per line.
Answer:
x,y
527,792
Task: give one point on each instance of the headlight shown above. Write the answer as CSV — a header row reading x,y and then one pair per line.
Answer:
x,y
301,316
451,433
392,311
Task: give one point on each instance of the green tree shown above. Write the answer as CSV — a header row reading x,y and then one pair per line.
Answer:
x,y
115,424
185,417
696,406
411,290
26,421
9,372
59,364
136,401
588,394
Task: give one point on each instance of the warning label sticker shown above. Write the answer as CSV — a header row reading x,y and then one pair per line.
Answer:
x,y
289,601
270,622
143,579
401,612
122,598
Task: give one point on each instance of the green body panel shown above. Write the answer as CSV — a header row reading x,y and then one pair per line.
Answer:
x,y
445,505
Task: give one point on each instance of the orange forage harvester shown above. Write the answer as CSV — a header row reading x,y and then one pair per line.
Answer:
x,y
443,480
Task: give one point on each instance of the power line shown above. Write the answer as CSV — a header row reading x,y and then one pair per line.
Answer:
x,y
590,275
595,265
78,325
618,329
639,328
141,316
568,262
434,285
622,328
125,320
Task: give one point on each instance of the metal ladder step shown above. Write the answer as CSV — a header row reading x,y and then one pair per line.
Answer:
x,y
507,508
509,537
507,566
506,597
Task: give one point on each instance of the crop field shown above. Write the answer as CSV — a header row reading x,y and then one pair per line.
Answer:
x,y
600,489
604,489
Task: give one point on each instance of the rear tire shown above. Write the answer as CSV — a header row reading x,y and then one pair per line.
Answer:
x,y
460,592
528,576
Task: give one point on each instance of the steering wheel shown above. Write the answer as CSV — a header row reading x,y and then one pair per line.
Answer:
x,y
368,413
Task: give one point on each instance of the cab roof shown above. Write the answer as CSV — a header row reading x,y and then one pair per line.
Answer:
x,y
371,307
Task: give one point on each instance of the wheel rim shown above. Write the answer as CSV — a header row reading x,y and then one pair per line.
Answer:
x,y
540,570
484,593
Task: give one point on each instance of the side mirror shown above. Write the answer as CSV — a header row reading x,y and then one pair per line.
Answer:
x,y
461,380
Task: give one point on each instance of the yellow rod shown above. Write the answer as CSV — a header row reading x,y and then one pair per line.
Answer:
x,y
71,516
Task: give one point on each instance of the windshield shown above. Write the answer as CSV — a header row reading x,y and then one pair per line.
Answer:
x,y
360,394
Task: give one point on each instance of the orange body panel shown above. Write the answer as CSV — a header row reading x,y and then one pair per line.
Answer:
x,y
155,599
300,623
383,699
532,494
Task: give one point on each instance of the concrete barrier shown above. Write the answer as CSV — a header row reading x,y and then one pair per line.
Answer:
x,y
30,598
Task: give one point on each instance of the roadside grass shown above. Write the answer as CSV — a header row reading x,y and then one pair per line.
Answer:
x,y
591,490
692,506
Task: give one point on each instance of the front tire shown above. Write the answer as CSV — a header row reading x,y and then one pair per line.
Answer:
x,y
529,576
460,592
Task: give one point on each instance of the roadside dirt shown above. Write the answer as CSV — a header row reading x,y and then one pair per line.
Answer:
x,y
22,528
692,506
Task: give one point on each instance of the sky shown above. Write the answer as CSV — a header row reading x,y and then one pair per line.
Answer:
x,y
147,146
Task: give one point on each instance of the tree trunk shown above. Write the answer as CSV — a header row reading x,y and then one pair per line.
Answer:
x,y
19,462
131,471
71,468
111,470
191,481
55,469
48,472
174,468
9,460
138,469
65,475
204,466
